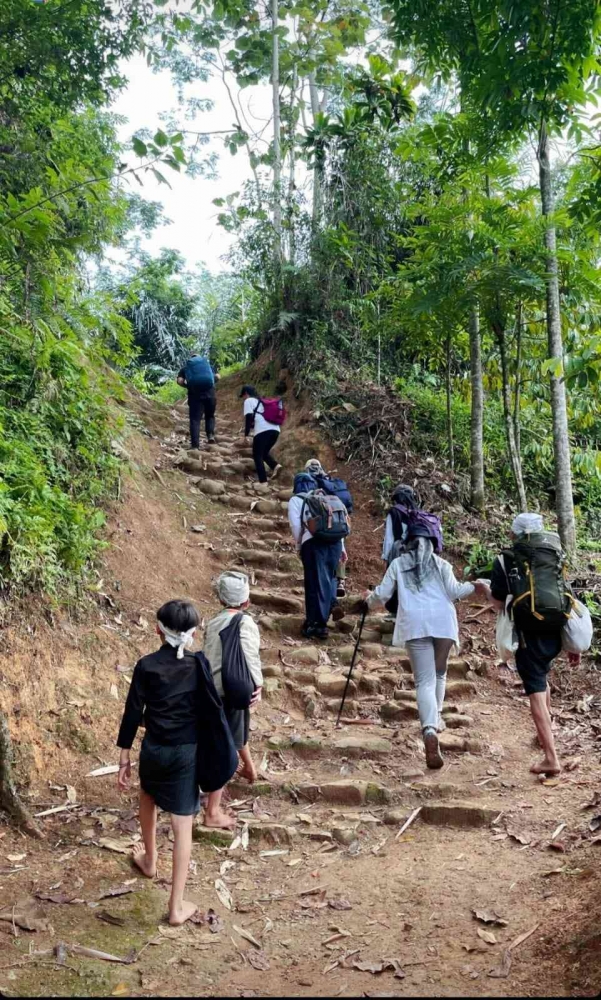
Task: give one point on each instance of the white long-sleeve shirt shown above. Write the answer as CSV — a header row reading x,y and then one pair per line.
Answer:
x,y
426,612
249,638
300,532
389,538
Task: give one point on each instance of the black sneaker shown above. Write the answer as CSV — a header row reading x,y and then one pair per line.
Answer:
x,y
321,633
341,592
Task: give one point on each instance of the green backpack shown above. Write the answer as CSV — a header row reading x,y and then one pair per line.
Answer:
x,y
535,569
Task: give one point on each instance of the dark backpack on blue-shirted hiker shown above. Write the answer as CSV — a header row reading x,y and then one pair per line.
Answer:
x,y
238,685
335,488
325,517
198,373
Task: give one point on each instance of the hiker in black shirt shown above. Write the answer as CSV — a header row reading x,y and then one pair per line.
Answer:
x,y
540,642
179,715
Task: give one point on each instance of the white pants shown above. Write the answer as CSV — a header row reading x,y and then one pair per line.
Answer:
x,y
428,658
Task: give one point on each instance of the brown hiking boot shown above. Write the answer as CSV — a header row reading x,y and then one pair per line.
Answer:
x,y
337,613
434,758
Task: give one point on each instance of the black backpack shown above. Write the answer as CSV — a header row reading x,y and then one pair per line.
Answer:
x,y
535,569
238,685
326,517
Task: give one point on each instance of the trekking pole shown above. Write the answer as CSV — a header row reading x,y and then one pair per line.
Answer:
x,y
348,679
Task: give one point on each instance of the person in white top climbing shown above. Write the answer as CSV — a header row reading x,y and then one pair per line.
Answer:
x,y
426,624
266,435
234,593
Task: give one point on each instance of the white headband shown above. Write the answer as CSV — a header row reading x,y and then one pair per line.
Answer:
x,y
233,588
179,640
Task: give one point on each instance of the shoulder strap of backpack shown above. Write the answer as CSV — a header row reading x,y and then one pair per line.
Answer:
x,y
257,407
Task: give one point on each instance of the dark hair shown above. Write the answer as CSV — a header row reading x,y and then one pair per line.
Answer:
x,y
179,616
405,496
248,390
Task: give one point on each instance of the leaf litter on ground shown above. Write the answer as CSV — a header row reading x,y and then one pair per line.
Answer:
x,y
489,917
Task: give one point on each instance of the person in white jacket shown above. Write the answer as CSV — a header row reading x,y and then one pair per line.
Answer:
x,y
426,624
234,593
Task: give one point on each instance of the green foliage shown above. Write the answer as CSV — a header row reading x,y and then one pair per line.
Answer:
x,y
55,456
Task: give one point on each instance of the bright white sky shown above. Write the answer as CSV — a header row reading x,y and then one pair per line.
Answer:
x,y
194,231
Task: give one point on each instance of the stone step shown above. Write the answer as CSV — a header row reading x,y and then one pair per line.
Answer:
x,y
276,602
272,575
278,560
344,792
315,747
461,815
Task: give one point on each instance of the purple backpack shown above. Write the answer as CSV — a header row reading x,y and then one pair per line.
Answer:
x,y
420,524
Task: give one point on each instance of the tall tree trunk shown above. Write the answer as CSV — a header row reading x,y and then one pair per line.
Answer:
x,y
477,413
292,171
449,386
277,146
318,177
564,501
512,450
9,797
517,427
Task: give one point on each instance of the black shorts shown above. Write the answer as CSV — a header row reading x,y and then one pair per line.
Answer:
x,y
168,775
238,719
534,659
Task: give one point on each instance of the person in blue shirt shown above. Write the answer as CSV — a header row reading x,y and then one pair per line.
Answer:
x,y
199,378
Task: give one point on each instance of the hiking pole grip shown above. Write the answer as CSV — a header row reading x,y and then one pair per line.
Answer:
x,y
348,679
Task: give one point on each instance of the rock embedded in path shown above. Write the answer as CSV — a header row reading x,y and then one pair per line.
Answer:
x,y
239,503
356,746
343,654
457,744
272,670
279,602
333,685
442,789
212,487
275,833
209,835
392,711
460,689
461,815
306,654
370,637
346,792
371,649
267,507
454,720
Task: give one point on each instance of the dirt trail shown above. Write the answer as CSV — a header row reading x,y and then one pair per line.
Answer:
x,y
317,895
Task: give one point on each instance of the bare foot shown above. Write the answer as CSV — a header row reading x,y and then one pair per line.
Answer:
x,y
179,914
547,767
147,865
220,820
247,771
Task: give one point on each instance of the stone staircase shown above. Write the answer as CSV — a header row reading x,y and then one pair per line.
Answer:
x,y
336,786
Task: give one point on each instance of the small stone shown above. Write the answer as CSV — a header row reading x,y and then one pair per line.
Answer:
x,y
345,626
454,720
372,649
371,685
440,789
344,835
240,503
198,528
456,690
393,711
343,653
413,774
275,833
369,637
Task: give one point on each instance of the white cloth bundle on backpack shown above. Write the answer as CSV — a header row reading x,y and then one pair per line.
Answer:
x,y
506,636
577,633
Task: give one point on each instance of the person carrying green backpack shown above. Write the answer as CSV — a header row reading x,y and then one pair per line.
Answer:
x,y
529,583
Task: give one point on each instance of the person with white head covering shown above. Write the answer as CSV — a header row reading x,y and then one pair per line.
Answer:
x,y
233,590
540,640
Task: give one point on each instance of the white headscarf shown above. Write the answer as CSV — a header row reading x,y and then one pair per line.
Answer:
x,y
179,640
233,588
526,524
314,466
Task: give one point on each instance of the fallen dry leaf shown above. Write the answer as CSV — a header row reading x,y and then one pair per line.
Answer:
x,y
119,890
71,794
15,857
120,990
376,967
522,838
523,937
26,915
57,897
108,918
503,968
247,936
339,903
487,936
489,917
119,846
225,896
258,960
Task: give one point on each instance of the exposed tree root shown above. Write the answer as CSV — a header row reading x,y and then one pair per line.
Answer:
x,y
9,797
